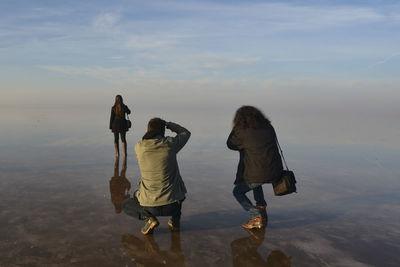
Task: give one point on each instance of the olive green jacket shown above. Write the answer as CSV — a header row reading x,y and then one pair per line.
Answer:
x,y
161,182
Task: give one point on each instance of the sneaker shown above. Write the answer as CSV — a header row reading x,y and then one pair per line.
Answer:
x,y
256,222
263,212
151,223
174,227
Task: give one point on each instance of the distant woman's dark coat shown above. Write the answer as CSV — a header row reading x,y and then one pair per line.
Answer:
x,y
117,123
260,161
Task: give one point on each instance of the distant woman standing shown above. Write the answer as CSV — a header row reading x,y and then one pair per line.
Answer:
x,y
260,162
118,123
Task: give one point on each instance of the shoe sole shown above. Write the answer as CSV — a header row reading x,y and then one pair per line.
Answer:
x,y
150,230
254,227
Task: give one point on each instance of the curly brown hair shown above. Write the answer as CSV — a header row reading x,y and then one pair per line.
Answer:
x,y
249,117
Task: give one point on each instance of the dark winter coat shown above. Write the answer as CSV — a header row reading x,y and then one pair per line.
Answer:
x,y
260,161
117,123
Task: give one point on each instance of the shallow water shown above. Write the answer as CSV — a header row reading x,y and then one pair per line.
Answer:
x,y
59,192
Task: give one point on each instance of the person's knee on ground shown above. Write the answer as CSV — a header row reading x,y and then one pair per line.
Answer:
x,y
174,223
131,207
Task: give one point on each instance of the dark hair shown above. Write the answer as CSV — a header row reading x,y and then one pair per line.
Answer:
x,y
249,117
156,126
119,106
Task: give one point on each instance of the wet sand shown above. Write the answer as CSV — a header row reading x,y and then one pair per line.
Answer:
x,y
58,208
60,212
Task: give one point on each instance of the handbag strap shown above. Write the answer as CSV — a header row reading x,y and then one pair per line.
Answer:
x,y
280,149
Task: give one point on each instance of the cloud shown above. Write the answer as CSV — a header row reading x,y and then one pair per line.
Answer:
x,y
29,13
116,75
217,62
116,57
199,39
105,21
297,59
145,42
182,27
275,17
385,60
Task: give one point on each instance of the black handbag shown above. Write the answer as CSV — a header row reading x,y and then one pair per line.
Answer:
x,y
128,122
287,183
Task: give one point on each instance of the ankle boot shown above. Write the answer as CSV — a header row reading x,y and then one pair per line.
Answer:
x,y
174,225
116,150
263,212
256,222
151,223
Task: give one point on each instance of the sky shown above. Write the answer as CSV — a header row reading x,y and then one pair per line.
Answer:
x,y
299,57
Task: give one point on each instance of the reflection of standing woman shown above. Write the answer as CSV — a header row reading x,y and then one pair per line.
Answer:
x,y
260,162
118,124
119,186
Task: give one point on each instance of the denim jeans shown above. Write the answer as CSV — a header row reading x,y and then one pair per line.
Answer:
x,y
240,190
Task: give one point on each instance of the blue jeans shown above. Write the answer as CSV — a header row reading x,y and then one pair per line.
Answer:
x,y
240,190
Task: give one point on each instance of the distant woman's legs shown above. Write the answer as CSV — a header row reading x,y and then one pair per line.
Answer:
x,y
116,143
123,140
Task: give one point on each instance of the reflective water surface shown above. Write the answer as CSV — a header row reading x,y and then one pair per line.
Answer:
x,y
61,191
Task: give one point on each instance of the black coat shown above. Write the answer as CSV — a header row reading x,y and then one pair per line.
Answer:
x,y
117,123
260,161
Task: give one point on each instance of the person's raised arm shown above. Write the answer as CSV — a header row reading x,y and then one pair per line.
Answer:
x,y
182,136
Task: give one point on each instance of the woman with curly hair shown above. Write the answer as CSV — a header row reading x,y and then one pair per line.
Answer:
x,y
118,123
260,162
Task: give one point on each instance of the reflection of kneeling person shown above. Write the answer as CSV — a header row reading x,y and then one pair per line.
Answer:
x,y
161,188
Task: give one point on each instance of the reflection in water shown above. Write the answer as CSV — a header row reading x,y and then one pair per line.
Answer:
x,y
147,252
244,252
354,222
119,186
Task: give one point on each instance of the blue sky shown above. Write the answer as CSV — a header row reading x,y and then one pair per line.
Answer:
x,y
319,68
139,43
